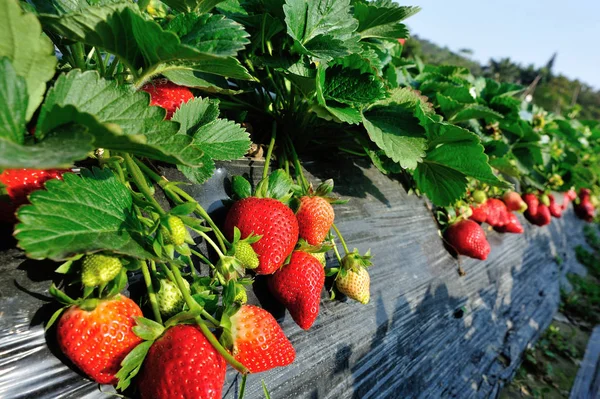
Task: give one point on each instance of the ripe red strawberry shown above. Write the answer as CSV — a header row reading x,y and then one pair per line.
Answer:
x,y
541,218
272,220
167,95
532,203
22,182
315,218
182,364
468,238
98,340
514,202
571,195
497,213
298,287
585,209
258,341
479,213
584,192
554,208
512,225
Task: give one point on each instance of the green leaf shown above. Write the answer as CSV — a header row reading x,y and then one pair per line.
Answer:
x,y
87,213
147,329
183,209
200,6
351,87
229,67
241,187
279,185
382,22
118,118
131,365
29,50
345,114
393,126
455,154
475,111
121,30
324,29
209,33
59,149
200,80
13,103
219,139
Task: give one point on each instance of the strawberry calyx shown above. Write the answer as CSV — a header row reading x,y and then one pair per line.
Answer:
x,y
354,260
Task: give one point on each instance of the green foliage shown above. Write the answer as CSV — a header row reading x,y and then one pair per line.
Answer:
x,y
81,214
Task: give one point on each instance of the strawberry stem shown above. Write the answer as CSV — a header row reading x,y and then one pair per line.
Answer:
x,y
140,182
151,292
270,150
173,278
175,194
297,166
339,234
192,304
212,243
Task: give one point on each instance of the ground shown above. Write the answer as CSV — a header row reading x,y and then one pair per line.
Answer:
x,y
549,368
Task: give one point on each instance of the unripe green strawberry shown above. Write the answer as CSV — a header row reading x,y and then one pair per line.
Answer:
x,y
176,235
355,284
320,257
479,196
241,296
99,269
245,254
170,298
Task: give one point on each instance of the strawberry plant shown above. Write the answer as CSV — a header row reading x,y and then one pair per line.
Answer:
x,y
98,98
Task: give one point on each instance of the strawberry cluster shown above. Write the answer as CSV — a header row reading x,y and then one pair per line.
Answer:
x,y
466,236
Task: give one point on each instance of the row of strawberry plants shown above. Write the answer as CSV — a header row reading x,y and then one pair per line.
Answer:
x,y
115,89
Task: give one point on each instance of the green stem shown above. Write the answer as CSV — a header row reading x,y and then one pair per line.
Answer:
x,y
78,55
174,193
297,165
192,304
173,278
270,150
110,71
151,292
337,254
349,151
212,243
243,384
100,63
140,182
203,258
339,234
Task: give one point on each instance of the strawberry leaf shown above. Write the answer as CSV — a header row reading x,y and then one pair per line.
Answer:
x,y
323,29
13,103
58,149
138,42
396,130
118,118
200,80
131,365
349,86
82,214
241,187
199,6
454,154
382,22
218,139
212,34
29,50
475,111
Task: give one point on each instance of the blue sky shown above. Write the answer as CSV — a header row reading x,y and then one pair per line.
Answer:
x,y
528,31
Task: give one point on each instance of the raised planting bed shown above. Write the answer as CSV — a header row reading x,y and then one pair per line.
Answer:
x,y
427,331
